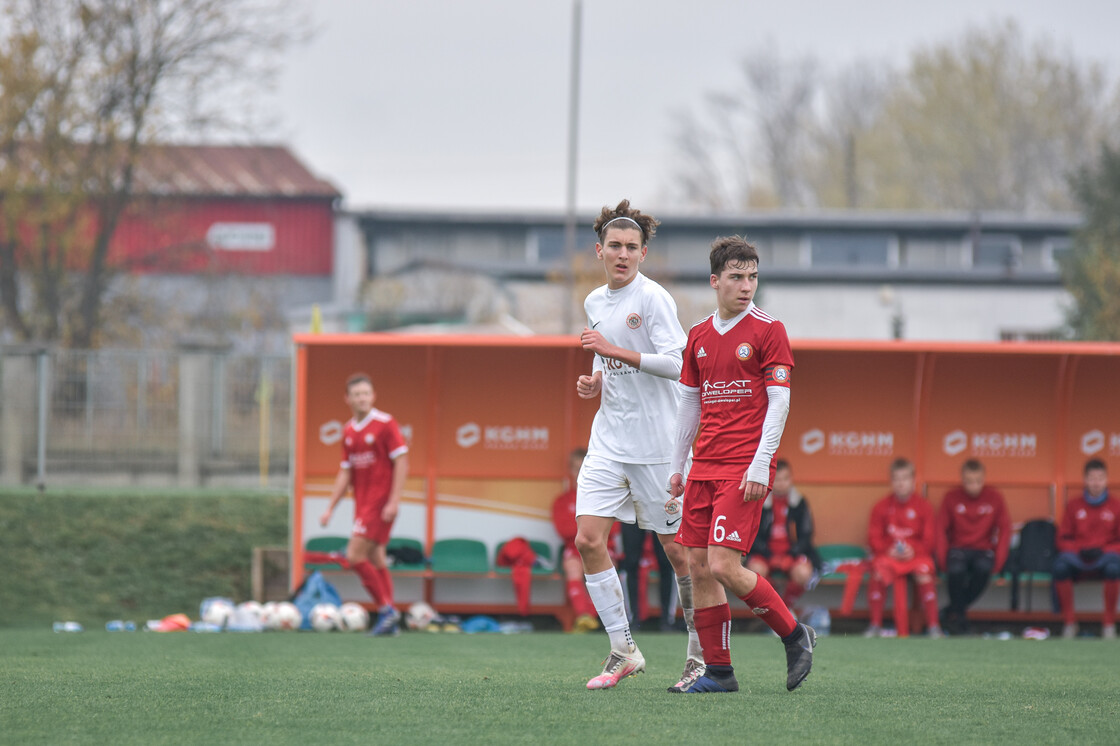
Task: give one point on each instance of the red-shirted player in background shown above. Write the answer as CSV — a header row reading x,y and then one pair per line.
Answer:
x,y
973,535
564,521
374,464
735,389
902,539
1089,542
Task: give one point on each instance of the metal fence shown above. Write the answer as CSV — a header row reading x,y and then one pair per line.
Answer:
x,y
194,416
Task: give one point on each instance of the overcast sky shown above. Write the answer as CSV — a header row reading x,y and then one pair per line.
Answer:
x,y
464,103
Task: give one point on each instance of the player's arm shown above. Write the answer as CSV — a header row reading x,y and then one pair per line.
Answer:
x,y
400,473
588,387
684,432
757,476
595,342
338,489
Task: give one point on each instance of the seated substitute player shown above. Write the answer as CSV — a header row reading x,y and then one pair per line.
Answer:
x,y
902,540
785,537
633,330
564,521
973,535
374,464
735,381
1089,542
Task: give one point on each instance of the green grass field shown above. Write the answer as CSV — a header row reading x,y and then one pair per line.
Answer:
x,y
301,688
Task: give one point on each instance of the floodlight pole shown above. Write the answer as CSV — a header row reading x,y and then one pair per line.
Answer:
x,y
573,158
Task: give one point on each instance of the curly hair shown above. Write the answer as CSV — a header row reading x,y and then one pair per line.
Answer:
x,y
647,224
734,250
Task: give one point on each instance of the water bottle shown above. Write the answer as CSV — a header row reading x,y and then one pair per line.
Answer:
x,y
67,627
118,625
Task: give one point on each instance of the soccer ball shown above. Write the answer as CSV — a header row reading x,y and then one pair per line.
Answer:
x,y
420,615
249,610
354,617
216,611
287,616
324,617
268,615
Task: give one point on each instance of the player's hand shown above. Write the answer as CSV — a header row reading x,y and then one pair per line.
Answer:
x,y
588,387
596,342
389,512
325,518
752,491
676,485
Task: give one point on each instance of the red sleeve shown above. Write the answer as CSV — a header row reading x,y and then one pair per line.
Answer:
x,y
777,358
690,374
1068,540
1113,544
563,519
944,521
929,529
877,537
1003,525
396,438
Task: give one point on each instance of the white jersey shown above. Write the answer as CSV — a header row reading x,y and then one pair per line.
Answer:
x,y
634,424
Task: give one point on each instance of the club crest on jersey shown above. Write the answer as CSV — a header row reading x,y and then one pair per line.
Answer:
x,y
633,321
369,439
744,351
779,374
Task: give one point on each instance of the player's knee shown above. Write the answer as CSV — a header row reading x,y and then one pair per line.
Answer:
x,y
1062,568
801,573
724,569
1111,567
588,545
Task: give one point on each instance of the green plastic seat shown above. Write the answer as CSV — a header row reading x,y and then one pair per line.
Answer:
x,y
460,555
325,544
404,542
833,554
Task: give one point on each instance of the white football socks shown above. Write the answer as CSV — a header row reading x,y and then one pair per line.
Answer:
x,y
605,590
684,591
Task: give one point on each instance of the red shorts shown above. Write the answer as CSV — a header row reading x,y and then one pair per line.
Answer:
x,y
889,568
781,562
368,525
715,513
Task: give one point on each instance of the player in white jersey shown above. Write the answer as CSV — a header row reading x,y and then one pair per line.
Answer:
x,y
633,330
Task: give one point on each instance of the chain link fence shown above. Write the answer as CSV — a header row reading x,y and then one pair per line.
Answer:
x,y
191,417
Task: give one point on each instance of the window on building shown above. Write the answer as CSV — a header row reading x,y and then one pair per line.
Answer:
x,y
1055,250
997,251
546,244
850,249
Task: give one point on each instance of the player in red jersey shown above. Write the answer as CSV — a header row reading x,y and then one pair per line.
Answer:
x,y
1089,542
734,386
973,535
374,464
564,521
902,539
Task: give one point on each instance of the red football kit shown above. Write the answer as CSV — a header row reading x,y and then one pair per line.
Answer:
x,y
981,522
731,369
1085,526
368,450
910,521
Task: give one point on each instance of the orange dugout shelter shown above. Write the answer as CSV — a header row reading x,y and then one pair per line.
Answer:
x,y
491,420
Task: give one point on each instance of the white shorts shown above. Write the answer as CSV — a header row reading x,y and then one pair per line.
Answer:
x,y
629,493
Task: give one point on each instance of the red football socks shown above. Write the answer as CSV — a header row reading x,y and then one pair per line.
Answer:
x,y
768,606
713,627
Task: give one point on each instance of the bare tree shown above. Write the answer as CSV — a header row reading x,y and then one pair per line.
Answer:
x,y
748,147
85,84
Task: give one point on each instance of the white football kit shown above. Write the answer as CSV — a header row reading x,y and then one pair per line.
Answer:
x,y
627,464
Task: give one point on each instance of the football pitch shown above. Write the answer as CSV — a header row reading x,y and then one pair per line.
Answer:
x,y
337,688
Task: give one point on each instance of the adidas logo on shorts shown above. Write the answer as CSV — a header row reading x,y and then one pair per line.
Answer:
x,y
734,536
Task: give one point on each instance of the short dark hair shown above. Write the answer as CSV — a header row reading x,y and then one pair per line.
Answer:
x,y
357,378
1094,463
972,465
647,224
731,250
578,453
901,463
782,464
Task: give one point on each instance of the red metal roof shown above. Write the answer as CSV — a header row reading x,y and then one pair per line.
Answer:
x,y
227,170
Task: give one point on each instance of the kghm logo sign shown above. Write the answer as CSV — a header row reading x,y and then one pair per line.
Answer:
x,y
502,437
1003,445
1096,441
848,442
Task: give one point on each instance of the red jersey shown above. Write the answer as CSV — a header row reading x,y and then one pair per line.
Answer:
x,y
732,369
368,450
1088,526
564,517
779,530
980,522
894,520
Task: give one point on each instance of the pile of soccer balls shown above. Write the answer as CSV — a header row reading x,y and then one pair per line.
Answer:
x,y
350,617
